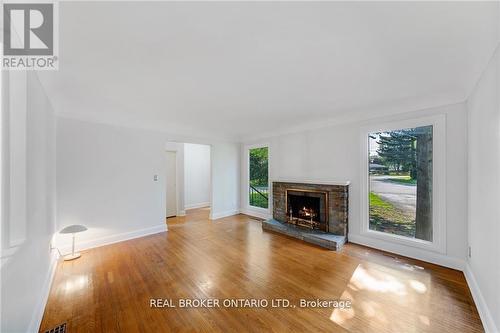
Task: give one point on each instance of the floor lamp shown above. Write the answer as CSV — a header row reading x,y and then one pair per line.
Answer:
x,y
73,229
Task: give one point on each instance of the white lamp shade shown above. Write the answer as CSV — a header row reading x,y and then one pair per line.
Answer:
x,y
71,229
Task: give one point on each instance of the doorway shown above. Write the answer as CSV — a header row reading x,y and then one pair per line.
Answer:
x,y
171,182
187,179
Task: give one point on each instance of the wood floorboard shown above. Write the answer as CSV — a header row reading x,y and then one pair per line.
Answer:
x,y
109,288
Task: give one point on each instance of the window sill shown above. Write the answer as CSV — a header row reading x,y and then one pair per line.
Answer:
x,y
402,240
260,209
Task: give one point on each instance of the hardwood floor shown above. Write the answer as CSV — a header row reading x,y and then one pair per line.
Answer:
x,y
109,288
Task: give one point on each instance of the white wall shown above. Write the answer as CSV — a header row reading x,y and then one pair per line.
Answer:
x,y
105,181
225,179
484,194
196,175
333,153
28,217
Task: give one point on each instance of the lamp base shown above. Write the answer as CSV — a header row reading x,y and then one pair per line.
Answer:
x,y
72,256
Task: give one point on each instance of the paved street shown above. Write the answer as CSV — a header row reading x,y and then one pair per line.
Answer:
x,y
401,196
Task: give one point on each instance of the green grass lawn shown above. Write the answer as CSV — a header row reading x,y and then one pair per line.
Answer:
x,y
377,202
257,200
406,180
387,218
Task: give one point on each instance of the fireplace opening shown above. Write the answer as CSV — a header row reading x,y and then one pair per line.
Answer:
x,y
307,209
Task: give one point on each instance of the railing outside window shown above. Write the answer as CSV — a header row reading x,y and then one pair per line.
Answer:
x,y
258,196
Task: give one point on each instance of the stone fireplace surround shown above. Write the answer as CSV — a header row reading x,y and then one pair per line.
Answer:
x,y
336,212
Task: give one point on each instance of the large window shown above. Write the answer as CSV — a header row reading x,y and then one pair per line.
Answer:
x,y
401,182
258,184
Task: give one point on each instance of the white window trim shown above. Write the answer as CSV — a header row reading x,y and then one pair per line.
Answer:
x,y
264,211
438,243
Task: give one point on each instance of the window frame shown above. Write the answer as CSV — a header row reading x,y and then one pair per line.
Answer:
x,y
247,180
438,243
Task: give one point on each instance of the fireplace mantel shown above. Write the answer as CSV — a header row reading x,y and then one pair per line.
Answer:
x,y
311,181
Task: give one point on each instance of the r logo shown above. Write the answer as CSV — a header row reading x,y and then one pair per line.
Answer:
x,y
28,29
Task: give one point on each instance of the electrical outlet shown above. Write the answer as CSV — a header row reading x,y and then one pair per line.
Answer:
x,y
155,178
470,252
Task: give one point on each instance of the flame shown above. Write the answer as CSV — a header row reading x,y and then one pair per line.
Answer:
x,y
308,211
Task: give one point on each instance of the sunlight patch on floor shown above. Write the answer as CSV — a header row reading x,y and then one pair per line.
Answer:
x,y
206,284
342,315
418,286
76,283
377,281
365,283
424,320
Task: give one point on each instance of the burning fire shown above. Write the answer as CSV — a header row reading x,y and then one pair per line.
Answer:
x,y
307,212
305,218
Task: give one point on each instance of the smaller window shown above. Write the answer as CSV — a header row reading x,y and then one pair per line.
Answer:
x,y
258,184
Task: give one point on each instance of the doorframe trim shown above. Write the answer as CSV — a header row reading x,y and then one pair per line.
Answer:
x,y
178,211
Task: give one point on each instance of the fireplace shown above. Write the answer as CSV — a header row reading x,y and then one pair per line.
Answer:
x,y
307,208
329,202
315,212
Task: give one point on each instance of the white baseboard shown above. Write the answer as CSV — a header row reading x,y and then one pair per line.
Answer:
x,y
416,253
482,308
198,205
36,320
181,213
106,240
215,216
256,213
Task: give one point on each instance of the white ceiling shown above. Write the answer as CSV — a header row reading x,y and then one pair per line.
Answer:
x,y
240,70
